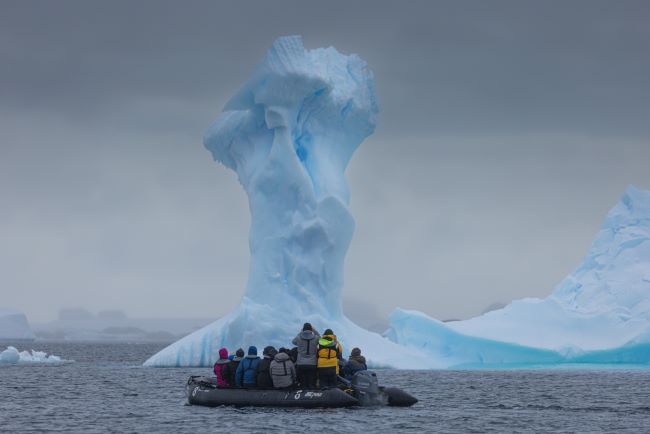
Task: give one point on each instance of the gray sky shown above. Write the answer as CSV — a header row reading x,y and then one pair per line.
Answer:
x,y
507,130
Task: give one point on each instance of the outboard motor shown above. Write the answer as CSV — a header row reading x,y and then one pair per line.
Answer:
x,y
366,388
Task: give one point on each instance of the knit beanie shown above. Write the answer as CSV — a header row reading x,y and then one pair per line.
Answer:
x,y
269,352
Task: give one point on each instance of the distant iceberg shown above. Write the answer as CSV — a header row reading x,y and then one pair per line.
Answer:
x,y
11,356
599,314
14,326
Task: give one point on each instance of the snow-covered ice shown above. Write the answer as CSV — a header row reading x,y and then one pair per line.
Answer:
x,y
11,356
14,326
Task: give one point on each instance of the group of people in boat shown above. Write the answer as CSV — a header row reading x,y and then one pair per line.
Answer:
x,y
315,361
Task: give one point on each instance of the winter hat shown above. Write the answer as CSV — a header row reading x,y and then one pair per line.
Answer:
x,y
252,350
239,353
328,332
269,352
307,326
355,352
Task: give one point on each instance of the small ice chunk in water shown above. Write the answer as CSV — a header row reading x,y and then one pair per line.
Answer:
x,y
11,356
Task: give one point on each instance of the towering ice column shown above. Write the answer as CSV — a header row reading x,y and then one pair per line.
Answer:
x,y
289,134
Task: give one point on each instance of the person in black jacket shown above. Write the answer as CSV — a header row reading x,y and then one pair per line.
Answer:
x,y
293,354
234,363
355,363
263,369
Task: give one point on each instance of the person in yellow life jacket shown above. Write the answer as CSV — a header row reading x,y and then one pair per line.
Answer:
x,y
329,353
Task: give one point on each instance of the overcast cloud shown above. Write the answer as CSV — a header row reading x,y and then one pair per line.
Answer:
x,y
507,131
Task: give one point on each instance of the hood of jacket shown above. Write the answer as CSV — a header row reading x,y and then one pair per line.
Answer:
x,y
307,334
223,353
281,357
327,340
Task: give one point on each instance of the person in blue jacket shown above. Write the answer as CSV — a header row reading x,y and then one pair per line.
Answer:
x,y
246,375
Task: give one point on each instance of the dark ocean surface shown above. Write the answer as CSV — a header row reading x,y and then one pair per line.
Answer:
x,y
106,390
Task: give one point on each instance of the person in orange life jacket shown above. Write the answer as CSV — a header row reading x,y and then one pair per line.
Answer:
x,y
246,375
263,369
329,353
307,360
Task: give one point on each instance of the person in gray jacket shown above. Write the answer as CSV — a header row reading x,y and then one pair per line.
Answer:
x,y
307,343
283,372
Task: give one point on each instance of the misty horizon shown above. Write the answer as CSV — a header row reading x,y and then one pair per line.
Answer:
x,y
507,132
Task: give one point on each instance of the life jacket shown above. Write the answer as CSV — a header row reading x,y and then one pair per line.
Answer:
x,y
329,352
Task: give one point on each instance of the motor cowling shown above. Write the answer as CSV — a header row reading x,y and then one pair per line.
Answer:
x,y
366,388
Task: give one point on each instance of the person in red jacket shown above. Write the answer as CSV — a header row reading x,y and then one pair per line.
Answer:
x,y
222,369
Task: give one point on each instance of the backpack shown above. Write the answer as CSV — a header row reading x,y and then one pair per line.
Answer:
x,y
331,346
245,369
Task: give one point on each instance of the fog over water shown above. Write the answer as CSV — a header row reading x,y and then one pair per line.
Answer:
x,y
507,131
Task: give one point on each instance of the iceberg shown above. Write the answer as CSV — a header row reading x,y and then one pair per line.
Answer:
x,y
14,326
289,134
11,356
600,313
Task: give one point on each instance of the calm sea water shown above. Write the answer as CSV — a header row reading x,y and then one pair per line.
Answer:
x,y
106,390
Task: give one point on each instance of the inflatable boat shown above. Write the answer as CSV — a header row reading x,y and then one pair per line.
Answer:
x,y
362,390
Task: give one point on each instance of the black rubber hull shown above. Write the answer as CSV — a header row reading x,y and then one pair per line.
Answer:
x,y
204,391
213,397
398,398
